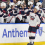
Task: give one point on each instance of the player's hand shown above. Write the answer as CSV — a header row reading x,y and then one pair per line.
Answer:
x,y
37,27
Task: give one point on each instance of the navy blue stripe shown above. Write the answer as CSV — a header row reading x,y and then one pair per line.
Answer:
x,y
17,23
31,37
42,23
13,23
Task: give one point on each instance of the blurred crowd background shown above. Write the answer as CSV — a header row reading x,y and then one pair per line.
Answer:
x,y
21,7
35,1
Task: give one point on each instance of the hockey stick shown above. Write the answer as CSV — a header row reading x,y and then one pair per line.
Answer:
x,y
42,31
11,19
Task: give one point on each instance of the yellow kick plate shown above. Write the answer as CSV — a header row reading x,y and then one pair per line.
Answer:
x,y
25,43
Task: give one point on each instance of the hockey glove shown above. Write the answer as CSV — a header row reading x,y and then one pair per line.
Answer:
x,y
37,27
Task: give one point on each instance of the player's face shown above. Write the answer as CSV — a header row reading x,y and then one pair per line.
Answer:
x,y
8,3
40,6
13,7
22,7
35,9
3,7
32,5
28,7
14,1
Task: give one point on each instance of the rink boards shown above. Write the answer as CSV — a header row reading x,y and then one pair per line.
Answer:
x,y
17,34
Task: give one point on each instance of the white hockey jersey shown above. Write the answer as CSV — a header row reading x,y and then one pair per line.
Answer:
x,y
42,15
33,19
41,12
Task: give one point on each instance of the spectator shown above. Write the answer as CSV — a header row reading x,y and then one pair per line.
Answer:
x,y
4,0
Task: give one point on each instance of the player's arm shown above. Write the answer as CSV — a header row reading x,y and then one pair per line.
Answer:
x,y
38,22
42,14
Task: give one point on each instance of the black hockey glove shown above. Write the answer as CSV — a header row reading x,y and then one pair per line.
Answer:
x,y
25,17
37,27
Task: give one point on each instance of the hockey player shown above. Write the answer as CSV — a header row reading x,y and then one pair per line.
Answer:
x,y
1,16
27,11
15,2
3,12
22,2
19,2
22,14
40,11
31,5
43,17
25,7
34,23
12,12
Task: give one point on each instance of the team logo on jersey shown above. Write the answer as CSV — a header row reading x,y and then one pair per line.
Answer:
x,y
32,17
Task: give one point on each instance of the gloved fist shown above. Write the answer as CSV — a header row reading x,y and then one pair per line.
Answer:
x,y
37,27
